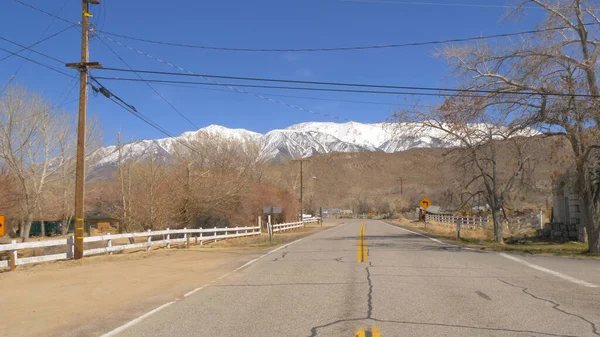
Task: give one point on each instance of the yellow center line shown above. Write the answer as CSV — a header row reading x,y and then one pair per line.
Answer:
x,y
373,332
362,249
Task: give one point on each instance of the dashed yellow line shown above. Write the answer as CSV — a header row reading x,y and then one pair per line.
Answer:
x,y
373,332
362,255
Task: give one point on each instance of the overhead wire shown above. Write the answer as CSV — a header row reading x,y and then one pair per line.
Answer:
x,y
149,85
381,46
38,63
31,50
363,85
303,97
41,39
214,82
132,110
34,44
440,4
45,12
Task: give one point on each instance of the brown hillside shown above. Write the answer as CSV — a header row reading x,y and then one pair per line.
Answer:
x,y
345,180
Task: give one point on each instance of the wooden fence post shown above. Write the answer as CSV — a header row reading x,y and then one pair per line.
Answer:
x,y
187,238
458,221
201,242
109,244
215,234
196,238
149,240
13,257
168,239
70,247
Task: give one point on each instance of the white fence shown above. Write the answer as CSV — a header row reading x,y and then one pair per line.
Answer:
x,y
464,221
293,225
533,220
181,235
167,237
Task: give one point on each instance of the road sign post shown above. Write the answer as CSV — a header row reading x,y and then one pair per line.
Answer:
x,y
270,228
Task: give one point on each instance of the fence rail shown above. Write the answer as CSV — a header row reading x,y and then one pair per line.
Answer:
x,y
293,225
464,221
534,220
168,236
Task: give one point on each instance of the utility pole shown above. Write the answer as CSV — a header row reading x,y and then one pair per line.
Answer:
x,y
83,93
301,194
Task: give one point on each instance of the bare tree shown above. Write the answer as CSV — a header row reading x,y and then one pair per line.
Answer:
x,y
30,132
468,124
547,80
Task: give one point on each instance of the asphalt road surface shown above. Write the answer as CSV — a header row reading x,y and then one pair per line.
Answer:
x,y
387,282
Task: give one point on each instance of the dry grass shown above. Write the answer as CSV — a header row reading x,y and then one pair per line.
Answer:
x,y
482,239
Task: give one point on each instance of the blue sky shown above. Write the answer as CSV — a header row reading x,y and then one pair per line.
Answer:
x,y
252,24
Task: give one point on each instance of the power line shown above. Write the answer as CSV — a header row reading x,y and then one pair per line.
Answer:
x,y
283,87
41,39
38,63
148,84
440,4
45,12
378,86
34,44
382,46
226,85
108,94
132,110
304,97
360,91
32,50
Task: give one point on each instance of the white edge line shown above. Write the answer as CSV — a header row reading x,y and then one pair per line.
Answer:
x,y
137,320
149,313
549,271
516,259
423,235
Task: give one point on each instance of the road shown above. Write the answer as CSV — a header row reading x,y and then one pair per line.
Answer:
x,y
404,284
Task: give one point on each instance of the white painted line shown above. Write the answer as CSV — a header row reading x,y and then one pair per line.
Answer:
x,y
260,257
149,313
549,271
137,320
195,290
423,235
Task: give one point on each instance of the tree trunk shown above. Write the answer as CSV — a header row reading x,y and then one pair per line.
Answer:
x,y
498,232
26,228
589,210
593,230
42,228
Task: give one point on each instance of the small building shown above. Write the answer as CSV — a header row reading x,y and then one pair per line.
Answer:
x,y
101,223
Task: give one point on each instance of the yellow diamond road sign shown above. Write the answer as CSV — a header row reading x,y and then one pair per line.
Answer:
x,y
2,225
425,203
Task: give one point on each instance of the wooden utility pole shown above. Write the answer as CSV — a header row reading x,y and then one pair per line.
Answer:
x,y
301,194
83,93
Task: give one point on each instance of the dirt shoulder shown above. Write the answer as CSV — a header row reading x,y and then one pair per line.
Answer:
x,y
478,239
96,294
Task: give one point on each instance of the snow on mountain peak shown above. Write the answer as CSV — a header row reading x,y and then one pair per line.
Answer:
x,y
297,141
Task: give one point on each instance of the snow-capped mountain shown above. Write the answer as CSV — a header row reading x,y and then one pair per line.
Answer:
x,y
297,141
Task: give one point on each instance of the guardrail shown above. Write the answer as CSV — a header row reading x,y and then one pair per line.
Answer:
x,y
293,225
182,235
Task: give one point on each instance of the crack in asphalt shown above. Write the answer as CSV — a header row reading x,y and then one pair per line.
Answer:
x,y
281,257
470,327
555,306
370,294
